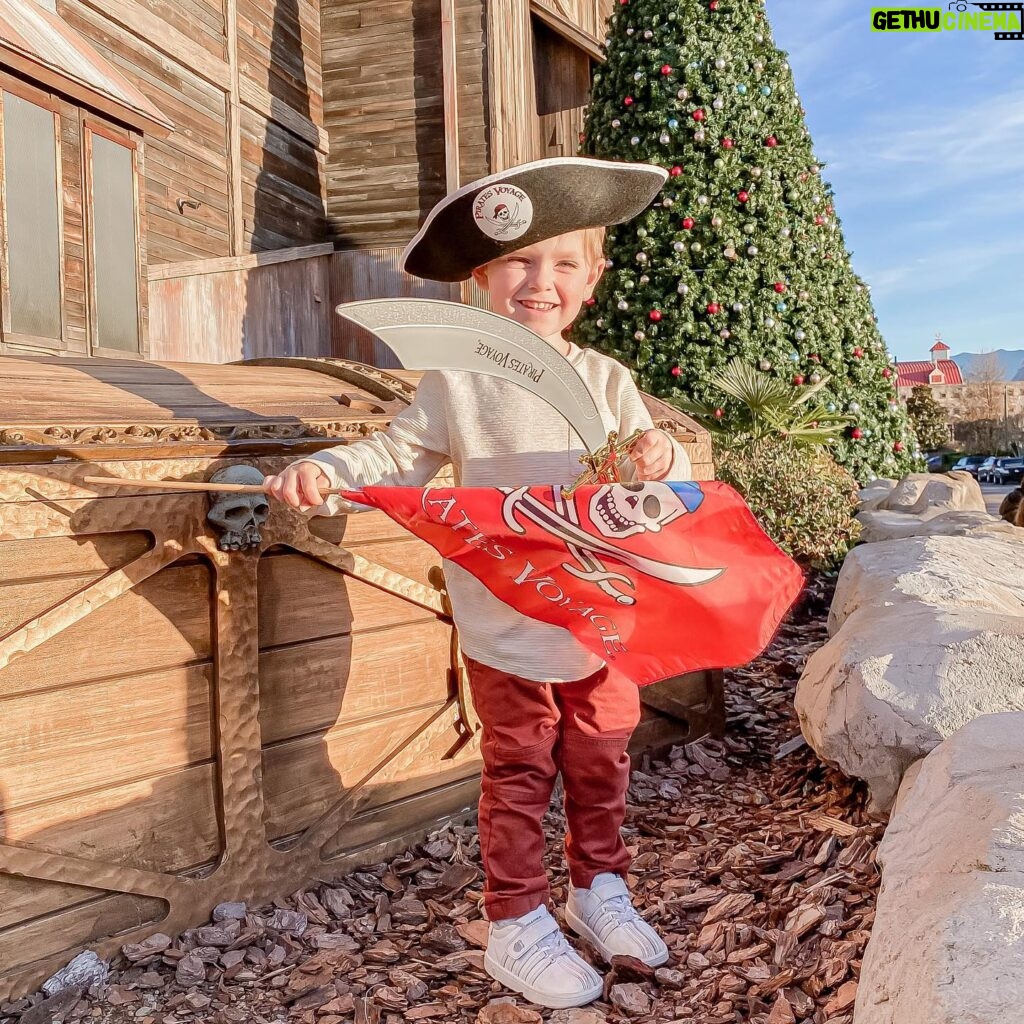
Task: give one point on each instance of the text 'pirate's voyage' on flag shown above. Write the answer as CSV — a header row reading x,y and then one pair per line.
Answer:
x,y
656,578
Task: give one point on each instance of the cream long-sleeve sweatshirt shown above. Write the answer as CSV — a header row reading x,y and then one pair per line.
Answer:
x,y
495,434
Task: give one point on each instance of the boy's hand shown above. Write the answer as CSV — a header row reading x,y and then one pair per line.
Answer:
x,y
652,455
300,485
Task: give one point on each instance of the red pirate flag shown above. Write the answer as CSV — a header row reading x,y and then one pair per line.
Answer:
x,y
657,579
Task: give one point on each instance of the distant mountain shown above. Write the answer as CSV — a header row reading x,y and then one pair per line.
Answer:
x,y
1011,360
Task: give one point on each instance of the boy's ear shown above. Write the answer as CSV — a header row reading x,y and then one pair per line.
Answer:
x,y
480,276
596,272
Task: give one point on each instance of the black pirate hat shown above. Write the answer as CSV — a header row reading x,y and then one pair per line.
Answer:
x,y
526,204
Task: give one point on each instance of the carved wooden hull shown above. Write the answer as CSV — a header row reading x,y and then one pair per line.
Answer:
x,y
181,725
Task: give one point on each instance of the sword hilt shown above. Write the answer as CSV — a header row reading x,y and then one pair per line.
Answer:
x,y
602,466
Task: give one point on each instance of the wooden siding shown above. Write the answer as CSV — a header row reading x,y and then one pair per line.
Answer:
x,y
244,169
280,303
384,114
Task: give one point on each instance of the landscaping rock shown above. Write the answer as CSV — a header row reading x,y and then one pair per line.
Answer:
x,y
879,525
875,493
948,940
917,492
985,571
895,681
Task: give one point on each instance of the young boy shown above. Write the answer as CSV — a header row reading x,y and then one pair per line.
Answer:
x,y
531,237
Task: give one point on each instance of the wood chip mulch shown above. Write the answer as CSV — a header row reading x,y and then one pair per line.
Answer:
x,y
754,861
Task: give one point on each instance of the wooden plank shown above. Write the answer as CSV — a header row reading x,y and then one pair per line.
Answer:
x,y
75,929
170,609
303,778
233,129
48,558
449,86
311,687
301,599
72,740
164,824
426,807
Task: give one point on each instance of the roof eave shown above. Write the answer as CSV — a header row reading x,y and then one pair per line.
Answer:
x,y
150,122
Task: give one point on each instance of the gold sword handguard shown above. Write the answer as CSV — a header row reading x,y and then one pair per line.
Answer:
x,y
603,465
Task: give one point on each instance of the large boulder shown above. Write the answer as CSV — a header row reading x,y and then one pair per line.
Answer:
x,y
881,525
981,571
947,945
917,492
897,679
875,493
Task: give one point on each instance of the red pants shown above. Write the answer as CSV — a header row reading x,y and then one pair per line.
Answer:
x,y
531,731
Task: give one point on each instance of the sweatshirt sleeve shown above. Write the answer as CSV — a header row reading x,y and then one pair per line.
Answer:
x,y
633,415
408,454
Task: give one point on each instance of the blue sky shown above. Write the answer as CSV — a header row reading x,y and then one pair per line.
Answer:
x,y
923,137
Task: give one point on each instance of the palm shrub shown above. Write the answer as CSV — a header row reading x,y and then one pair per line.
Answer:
x,y
771,443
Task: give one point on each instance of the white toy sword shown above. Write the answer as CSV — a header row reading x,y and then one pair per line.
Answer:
x,y
431,334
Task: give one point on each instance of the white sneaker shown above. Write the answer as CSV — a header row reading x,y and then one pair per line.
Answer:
x,y
530,955
605,916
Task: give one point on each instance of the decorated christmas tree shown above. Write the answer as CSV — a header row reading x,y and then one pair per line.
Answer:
x,y
742,254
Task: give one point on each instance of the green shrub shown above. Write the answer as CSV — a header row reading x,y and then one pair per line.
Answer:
x,y
801,497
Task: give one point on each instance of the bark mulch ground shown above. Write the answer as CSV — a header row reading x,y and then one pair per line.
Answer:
x,y
754,861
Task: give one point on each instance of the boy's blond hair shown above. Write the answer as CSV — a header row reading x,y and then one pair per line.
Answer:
x,y
593,243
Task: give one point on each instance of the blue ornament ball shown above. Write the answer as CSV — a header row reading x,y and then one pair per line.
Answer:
x,y
794,357
780,306
741,89
673,123
766,90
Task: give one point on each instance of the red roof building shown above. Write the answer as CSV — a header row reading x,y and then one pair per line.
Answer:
x,y
938,372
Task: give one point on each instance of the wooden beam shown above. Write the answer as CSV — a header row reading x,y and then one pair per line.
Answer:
x,y
450,87
220,264
236,218
590,45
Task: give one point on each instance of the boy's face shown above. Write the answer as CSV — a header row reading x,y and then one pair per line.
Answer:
x,y
543,285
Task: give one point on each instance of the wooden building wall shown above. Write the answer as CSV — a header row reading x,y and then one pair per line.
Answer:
x,y
241,81
384,112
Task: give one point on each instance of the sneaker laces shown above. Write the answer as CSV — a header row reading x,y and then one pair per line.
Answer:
x,y
620,908
555,944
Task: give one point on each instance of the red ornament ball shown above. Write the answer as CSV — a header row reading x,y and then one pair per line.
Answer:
x,y
713,6
898,446
727,143
698,115
666,69
771,142
819,220
676,171
856,433
779,287
858,353
655,315
623,3
687,222
887,373
798,379
677,371
719,413
815,357
743,196
713,308
628,101
829,210
590,301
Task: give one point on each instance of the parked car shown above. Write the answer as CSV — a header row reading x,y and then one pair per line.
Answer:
x,y
1009,471
970,464
988,468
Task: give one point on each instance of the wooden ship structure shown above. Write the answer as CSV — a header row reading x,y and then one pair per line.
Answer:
x,y
200,701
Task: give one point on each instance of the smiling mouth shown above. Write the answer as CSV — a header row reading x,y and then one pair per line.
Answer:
x,y
538,307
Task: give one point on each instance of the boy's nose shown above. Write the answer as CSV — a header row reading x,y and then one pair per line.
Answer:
x,y
541,278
